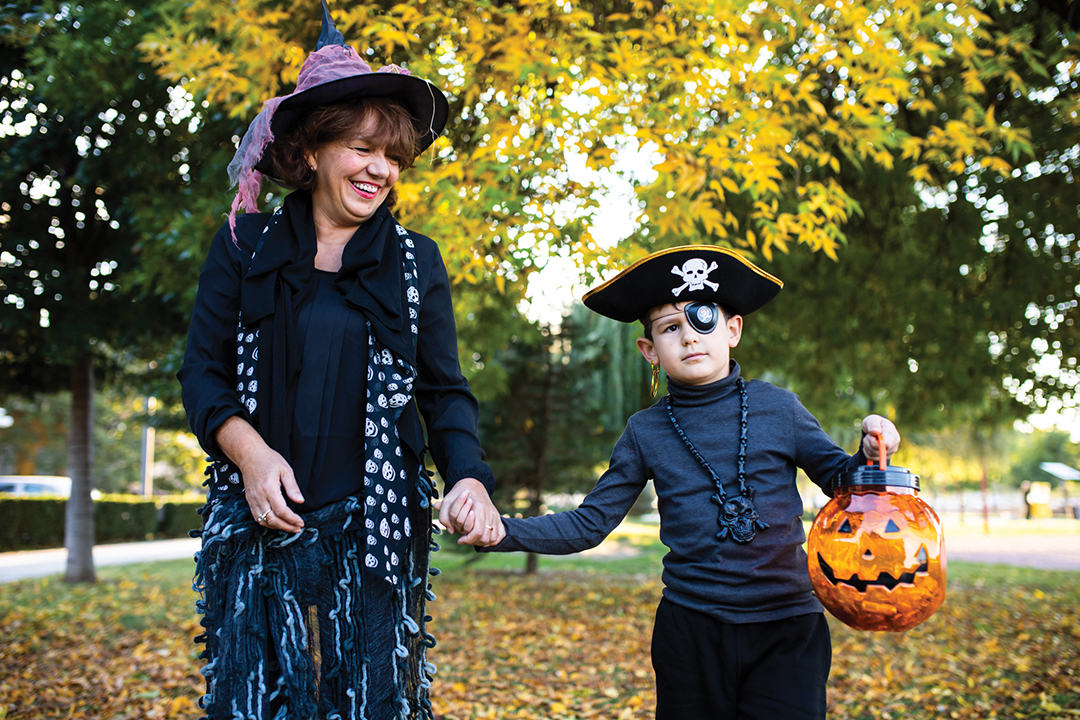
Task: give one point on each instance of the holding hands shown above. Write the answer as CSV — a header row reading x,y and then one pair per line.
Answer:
x,y
874,426
467,509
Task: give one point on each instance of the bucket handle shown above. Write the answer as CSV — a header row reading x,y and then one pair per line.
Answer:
x,y
883,462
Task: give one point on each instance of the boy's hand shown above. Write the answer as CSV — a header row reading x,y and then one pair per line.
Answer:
x,y
874,425
467,509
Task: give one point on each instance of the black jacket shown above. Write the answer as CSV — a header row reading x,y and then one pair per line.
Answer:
x,y
442,395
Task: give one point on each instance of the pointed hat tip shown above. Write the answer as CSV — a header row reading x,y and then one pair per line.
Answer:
x,y
330,35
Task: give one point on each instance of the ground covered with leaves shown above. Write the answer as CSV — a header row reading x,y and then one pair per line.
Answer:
x,y
572,642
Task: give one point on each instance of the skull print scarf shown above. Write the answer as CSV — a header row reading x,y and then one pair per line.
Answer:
x,y
378,277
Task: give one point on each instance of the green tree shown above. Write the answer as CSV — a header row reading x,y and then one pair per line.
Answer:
x,y
955,301
93,146
570,391
34,443
1038,448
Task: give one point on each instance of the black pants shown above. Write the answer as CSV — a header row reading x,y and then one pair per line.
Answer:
x,y
712,670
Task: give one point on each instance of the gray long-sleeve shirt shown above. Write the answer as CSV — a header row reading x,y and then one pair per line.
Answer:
x,y
765,579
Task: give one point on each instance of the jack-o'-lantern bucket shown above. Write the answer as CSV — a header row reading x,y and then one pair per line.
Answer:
x,y
877,552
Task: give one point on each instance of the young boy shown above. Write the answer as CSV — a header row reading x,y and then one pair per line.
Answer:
x,y
738,632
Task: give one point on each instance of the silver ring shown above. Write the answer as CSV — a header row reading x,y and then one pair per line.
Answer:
x,y
262,518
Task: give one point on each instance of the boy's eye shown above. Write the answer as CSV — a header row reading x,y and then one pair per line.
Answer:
x,y
671,327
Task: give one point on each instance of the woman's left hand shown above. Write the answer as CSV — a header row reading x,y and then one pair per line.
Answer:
x,y
467,509
874,425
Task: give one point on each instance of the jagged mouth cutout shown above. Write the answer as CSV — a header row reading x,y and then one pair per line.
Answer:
x,y
884,579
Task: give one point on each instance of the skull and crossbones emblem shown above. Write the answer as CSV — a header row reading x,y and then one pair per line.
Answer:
x,y
695,275
740,518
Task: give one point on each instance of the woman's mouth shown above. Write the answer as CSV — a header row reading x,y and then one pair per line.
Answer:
x,y
366,189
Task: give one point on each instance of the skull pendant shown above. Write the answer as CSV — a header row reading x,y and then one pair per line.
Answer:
x,y
739,517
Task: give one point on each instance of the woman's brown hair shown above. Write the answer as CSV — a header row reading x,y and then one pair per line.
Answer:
x,y
385,123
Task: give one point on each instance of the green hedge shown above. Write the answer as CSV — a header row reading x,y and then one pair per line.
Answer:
x,y
29,523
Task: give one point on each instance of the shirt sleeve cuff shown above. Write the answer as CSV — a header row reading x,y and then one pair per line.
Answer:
x,y
480,471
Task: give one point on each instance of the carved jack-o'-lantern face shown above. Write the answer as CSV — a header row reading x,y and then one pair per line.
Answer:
x,y
877,559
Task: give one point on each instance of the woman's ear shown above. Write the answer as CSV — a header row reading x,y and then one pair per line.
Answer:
x,y
645,345
734,327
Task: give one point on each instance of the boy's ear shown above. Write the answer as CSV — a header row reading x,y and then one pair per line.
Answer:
x,y
645,345
734,326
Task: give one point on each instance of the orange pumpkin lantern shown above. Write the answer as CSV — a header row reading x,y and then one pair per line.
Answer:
x,y
877,551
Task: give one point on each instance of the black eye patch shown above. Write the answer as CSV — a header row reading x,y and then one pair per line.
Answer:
x,y
703,316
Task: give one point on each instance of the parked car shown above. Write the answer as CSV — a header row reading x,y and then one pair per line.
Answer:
x,y
35,485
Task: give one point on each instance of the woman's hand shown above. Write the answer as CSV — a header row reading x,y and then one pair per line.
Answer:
x,y
265,473
874,425
467,509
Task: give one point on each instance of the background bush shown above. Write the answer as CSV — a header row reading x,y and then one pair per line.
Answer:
x,y
28,523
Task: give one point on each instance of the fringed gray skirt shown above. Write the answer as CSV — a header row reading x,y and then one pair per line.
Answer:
x,y
294,626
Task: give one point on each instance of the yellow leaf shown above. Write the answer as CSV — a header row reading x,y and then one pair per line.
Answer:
x,y
921,173
730,185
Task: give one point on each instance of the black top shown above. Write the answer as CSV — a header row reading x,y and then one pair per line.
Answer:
x,y
328,427
764,579
442,396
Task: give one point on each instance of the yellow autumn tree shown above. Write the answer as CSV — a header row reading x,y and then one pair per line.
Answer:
x,y
740,115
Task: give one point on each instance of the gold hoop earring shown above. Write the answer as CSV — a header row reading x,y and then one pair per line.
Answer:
x,y
655,385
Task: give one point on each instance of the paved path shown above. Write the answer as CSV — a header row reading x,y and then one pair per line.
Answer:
x,y
39,563
1048,551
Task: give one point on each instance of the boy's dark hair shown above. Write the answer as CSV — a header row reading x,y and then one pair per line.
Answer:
x,y
648,325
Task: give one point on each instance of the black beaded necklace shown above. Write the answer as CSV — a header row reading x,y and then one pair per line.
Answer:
x,y
738,516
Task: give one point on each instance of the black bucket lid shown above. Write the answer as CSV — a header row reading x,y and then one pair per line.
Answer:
x,y
872,475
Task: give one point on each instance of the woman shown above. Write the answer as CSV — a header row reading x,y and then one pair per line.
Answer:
x,y
318,333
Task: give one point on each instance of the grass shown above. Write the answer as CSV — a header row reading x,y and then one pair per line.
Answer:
x,y
571,642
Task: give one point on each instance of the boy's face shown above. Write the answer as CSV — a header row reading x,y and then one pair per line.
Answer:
x,y
686,355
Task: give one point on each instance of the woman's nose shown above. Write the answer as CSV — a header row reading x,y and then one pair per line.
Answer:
x,y
378,165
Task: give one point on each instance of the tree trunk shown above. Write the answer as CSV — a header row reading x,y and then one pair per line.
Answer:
x,y
536,492
79,520
983,488
147,458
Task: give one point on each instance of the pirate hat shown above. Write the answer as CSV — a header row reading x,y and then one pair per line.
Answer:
x,y
689,273
332,73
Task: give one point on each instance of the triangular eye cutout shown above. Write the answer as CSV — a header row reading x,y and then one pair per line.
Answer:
x,y
891,527
845,528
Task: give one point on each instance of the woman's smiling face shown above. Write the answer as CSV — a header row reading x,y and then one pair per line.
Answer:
x,y
354,177
688,356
